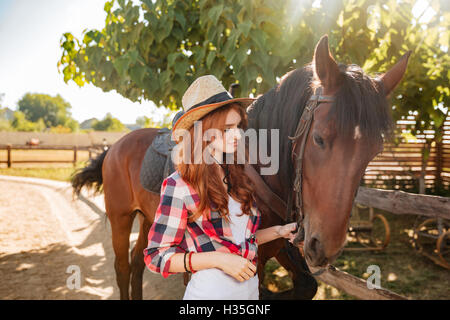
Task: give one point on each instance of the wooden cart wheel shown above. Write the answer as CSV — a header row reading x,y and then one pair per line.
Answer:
x,y
376,235
443,249
425,236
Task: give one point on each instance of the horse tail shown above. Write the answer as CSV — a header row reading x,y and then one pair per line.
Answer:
x,y
89,176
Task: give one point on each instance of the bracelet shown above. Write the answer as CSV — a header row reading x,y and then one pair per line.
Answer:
x,y
185,262
190,263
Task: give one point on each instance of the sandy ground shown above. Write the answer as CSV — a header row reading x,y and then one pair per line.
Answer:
x,y
45,235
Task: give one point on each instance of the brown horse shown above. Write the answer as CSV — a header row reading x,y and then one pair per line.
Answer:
x,y
344,136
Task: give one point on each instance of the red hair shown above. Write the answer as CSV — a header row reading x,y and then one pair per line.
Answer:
x,y
205,179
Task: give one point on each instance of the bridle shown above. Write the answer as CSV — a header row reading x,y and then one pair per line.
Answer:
x,y
279,206
302,131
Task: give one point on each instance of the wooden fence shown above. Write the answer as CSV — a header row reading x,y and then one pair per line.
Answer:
x,y
401,167
10,158
396,202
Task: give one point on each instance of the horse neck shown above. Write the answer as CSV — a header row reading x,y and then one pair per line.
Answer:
x,y
276,182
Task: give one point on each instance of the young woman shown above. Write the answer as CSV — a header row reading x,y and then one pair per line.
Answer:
x,y
207,220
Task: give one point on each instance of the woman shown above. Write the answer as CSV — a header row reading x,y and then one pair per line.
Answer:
x,y
207,220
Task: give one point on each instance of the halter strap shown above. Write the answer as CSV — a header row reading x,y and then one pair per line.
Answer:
x,y
302,132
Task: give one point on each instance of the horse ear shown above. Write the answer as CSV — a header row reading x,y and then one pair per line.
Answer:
x,y
392,77
325,67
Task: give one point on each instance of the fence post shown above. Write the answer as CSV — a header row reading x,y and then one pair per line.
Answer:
x,y
74,156
8,150
439,165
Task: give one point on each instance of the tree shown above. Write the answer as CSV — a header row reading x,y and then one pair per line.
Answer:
x,y
5,125
424,91
20,123
158,56
108,123
53,111
155,49
146,122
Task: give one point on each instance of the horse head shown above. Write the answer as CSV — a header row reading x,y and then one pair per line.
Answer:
x,y
346,133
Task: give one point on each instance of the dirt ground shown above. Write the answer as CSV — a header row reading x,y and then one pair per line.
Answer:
x,y
43,232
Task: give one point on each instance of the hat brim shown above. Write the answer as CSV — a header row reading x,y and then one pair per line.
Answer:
x,y
186,121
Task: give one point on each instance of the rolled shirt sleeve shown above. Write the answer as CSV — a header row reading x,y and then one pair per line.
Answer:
x,y
167,230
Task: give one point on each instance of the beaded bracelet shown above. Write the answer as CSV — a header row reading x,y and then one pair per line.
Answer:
x,y
190,263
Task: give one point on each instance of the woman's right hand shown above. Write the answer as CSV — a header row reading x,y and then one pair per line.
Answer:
x,y
236,266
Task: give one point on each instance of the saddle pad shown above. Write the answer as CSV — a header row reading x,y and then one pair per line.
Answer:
x,y
162,142
157,163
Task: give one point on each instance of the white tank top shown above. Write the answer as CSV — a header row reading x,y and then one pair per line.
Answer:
x,y
214,284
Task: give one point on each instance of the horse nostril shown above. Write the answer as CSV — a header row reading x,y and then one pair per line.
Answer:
x,y
316,253
314,246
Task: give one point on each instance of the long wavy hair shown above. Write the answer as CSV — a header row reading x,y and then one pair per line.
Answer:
x,y
205,178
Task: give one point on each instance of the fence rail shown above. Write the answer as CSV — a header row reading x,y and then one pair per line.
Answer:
x,y
9,154
396,202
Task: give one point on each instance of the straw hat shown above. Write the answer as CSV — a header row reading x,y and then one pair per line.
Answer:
x,y
204,95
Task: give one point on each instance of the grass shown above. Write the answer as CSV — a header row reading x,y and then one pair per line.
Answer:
x,y
60,174
50,155
403,270
52,171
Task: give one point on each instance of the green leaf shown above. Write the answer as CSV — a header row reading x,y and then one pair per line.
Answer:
x,y
137,74
259,38
218,68
181,68
214,13
164,78
108,6
121,65
172,57
179,17
245,27
210,59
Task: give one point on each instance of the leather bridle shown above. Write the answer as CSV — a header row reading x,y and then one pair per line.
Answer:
x,y
279,206
302,131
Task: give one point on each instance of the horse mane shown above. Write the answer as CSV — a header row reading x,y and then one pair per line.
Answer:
x,y
359,101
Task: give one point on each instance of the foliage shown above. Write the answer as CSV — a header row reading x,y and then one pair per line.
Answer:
x,y
154,49
5,125
53,111
146,122
20,123
60,129
108,123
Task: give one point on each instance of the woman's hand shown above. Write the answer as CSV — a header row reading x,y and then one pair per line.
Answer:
x,y
287,230
236,266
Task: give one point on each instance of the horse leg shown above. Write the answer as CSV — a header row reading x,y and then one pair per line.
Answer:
x,y
121,229
137,259
265,252
305,285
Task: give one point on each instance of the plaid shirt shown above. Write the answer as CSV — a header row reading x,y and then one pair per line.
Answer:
x,y
171,232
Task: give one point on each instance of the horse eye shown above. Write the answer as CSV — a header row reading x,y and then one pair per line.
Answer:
x,y
318,140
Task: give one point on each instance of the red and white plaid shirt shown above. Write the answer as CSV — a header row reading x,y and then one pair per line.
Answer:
x,y
171,232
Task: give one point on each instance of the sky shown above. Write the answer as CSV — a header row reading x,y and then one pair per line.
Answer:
x,y
30,33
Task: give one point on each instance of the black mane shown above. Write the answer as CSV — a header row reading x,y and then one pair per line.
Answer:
x,y
359,101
